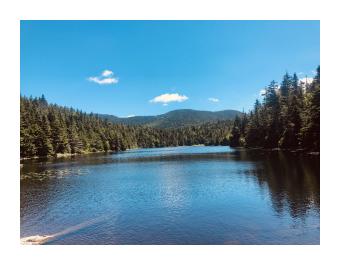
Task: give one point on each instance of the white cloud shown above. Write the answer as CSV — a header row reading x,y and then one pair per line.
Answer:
x,y
167,98
103,81
307,80
131,115
262,92
215,100
106,78
107,73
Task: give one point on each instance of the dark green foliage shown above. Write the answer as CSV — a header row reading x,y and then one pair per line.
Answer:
x,y
235,137
310,131
274,113
176,118
288,118
47,130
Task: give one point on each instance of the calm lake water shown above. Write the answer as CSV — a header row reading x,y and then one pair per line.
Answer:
x,y
182,195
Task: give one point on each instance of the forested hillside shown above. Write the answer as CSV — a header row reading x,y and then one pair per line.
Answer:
x,y
48,129
176,118
288,117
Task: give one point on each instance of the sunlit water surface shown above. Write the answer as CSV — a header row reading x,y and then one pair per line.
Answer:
x,y
182,195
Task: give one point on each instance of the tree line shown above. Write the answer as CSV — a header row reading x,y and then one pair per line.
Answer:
x,y
287,118
48,129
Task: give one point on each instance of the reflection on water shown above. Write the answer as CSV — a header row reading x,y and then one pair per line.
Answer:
x,y
53,173
185,195
293,180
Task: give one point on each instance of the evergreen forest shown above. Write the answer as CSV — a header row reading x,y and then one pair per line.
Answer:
x,y
287,118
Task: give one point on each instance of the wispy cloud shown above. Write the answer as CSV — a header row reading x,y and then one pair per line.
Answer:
x,y
307,80
107,73
130,116
215,100
106,78
262,92
167,98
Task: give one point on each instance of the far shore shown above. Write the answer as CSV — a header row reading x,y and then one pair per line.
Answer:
x,y
299,151
59,155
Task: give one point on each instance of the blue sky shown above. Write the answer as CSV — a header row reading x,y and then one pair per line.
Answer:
x,y
150,67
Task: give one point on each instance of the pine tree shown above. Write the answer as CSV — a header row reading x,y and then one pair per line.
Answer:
x,y
235,137
272,116
44,146
73,138
59,133
291,127
289,116
310,131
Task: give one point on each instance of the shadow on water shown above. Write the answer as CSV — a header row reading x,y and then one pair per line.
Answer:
x,y
292,179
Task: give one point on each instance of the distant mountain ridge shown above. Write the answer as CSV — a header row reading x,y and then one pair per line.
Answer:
x,y
176,118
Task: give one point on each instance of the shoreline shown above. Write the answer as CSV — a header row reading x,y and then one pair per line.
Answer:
x,y
59,155
296,151
67,155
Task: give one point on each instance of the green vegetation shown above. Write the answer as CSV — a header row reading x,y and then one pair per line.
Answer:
x,y
176,118
48,130
288,118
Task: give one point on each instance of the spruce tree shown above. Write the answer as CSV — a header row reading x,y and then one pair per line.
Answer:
x,y
272,116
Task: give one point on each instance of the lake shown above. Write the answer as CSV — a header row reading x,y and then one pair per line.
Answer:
x,y
179,195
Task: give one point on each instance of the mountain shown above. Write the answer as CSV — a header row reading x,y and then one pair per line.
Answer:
x,y
176,118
